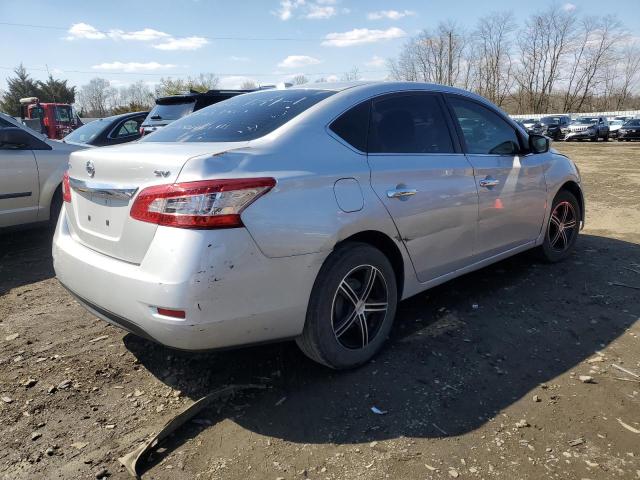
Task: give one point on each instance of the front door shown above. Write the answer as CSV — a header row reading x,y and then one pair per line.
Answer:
x,y
511,185
424,181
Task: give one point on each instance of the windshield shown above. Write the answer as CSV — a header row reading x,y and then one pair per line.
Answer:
x,y
63,114
170,111
241,118
86,133
616,122
633,123
550,120
585,120
529,120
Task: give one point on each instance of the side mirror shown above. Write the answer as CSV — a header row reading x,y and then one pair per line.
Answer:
x,y
13,137
538,144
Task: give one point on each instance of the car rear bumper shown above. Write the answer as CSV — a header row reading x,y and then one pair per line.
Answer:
x,y
629,135
231,293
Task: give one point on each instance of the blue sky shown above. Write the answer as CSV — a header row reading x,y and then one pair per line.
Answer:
x,y
267,40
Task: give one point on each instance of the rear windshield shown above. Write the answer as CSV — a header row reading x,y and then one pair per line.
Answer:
x,y
551,120
241,118
169,111
632,123
86,133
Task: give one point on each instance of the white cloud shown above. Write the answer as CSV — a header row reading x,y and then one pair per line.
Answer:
x,y
390,14
186,43
314,10
332,78
359,36
287,8
167,41
234,58
234,81
144,35
84,30
132,67
297,61
569,7
375,61
320,12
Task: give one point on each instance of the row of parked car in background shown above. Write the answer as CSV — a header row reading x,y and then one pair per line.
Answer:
x,y
593,128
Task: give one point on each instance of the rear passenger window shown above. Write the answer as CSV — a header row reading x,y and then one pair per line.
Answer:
x,y
353,125
411,123
484,131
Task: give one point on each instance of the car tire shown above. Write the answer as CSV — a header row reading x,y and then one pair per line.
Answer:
x,y
595,138
54,209
339,331
606,137
563,226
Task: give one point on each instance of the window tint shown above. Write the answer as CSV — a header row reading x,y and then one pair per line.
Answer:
x,y
87,132
353,125
4,123
129,128
409,124
484,131
241,118
170,111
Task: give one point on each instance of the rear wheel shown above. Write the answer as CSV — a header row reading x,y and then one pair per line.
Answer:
x,y
352,307
562,229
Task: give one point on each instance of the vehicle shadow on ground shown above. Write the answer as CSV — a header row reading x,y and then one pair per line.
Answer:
x,y
459,354
25,258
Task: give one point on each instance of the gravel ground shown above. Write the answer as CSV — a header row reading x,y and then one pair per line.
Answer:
x,y
505,373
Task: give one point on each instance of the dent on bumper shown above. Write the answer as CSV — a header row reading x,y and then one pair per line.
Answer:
x,y
232,294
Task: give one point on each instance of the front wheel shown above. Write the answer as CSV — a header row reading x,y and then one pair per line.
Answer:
x,y
352,307
562,228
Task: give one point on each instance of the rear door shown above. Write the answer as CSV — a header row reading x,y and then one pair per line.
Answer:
x,y
125,131
511,183
424,180
19,185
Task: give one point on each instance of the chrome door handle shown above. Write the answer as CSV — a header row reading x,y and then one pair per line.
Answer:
x,y
489,182
401,192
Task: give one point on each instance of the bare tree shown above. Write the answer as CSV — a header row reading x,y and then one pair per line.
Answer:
x,y
629,75
542,46
492,53
96,98
202,83
299,80
351,75
248,85
592,51
436,57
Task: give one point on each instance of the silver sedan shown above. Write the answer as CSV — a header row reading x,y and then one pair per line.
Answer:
x,y
31,169
307,213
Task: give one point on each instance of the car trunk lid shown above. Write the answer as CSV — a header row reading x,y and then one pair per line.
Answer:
x,y
105,182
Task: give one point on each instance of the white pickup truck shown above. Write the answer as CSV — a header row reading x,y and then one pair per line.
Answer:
x,y
31,170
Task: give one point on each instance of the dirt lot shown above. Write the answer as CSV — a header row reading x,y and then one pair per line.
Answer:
x,y
481,378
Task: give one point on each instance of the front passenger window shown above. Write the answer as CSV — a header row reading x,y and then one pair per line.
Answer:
x,y
484,131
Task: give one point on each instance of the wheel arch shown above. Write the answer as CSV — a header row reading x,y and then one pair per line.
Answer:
x,y
387,246
573,188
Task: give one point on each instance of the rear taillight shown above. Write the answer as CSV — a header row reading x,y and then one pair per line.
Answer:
x,y
203,204
66,189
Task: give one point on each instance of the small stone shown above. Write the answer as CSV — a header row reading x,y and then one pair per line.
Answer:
x,y
586,379
102,473
323,469
176,393
11,337
52,389
79,445
373,444
138,393
35,435
30,382
64,384
522,424
473,470
576,442
453,473
536,398
111,426
50,451
7,399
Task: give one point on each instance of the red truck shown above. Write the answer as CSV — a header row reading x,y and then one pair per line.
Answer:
x,y
55,120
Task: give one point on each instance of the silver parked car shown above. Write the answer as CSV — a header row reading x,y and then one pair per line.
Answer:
x,y
31,169
307,213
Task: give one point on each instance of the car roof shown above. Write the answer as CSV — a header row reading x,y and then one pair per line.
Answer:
x,y
10,119
120,116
